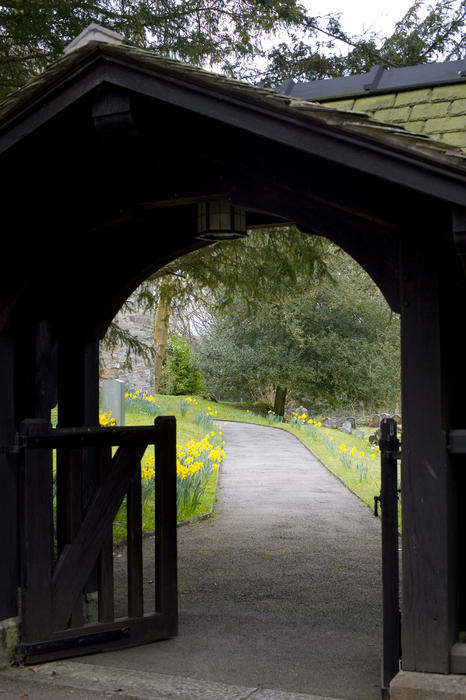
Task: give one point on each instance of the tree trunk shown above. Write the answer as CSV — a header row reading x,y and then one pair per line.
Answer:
x,y
279,404
162,319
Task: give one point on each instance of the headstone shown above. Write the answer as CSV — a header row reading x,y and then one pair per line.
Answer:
x,y
330,423
300,410
359,433
113,399
352,421
347,427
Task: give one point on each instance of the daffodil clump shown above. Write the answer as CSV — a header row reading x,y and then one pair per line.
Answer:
x,y
195,462
359,459
186,403
105,419
140,401
351,457
298,419
206,418
140,395
273,418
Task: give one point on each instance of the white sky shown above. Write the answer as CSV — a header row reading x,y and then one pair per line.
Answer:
x,y
359,16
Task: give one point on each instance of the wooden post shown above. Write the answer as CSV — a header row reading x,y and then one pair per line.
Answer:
x,y
428,614
8,485
78,405
37,536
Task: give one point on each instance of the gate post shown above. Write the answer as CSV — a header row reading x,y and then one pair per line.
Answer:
x,y
389,446
429,604
36,535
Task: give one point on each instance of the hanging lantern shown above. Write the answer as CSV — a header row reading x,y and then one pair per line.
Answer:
x,y
218,220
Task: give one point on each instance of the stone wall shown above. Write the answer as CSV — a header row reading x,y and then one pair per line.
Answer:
x,y
113,362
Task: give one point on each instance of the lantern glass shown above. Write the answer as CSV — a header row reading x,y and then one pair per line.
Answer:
x,y
218,220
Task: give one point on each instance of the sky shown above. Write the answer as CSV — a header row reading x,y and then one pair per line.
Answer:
x,y
359,16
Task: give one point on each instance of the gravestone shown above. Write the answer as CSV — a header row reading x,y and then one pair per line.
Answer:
x,y
300,410
347,427
113,399
359,433
330,423
352,421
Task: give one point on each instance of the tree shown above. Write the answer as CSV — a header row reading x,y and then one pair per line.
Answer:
x,y
262,265
334,345
181,373
426,33
224,34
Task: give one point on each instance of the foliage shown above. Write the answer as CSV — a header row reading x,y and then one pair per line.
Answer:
x,y
426,33
227,35
181,374
135,348
251,267
335,344
220,33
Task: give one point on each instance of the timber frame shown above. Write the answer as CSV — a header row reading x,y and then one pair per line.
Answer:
x,y
103,160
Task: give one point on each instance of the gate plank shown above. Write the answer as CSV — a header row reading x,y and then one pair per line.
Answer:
x,y
134,547
105,562
74,516
166,592
76,561
37,536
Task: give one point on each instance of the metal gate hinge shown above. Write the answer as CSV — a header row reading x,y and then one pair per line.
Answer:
x,y
11,449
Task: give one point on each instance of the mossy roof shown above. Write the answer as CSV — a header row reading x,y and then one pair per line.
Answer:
x,y
357,123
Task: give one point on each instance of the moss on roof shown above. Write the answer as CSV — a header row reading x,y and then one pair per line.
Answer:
x,y
437,112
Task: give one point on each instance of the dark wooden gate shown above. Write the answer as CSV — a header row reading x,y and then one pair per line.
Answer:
x,y
390,454
67,548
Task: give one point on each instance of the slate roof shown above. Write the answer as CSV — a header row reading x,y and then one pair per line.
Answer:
x,y
428,99
356,123
379,80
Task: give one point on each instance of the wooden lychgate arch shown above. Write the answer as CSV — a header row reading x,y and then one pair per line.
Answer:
x,y
104,159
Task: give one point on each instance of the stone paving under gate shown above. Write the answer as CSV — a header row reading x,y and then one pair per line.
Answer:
x,y
280,590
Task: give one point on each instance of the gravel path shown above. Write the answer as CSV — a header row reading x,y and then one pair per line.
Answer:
x,y
280,589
